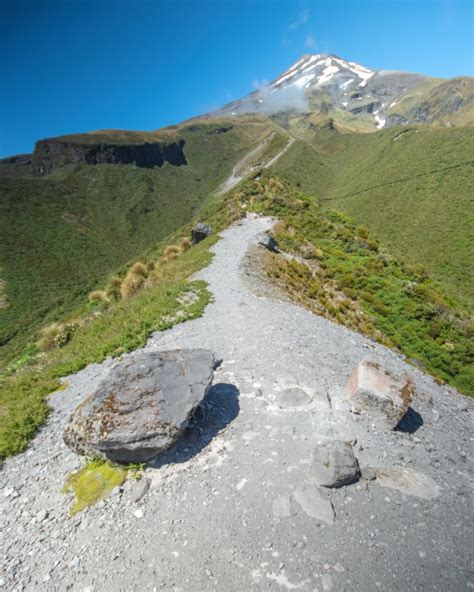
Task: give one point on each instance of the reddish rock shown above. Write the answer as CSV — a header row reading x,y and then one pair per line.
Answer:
x,y
380,393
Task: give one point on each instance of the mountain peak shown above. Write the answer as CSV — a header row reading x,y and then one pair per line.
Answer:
x,y
319,69
323,89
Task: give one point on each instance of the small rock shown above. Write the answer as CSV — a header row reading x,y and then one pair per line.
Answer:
x,y
300,545
139,489
282,507
41,516
409,481
368,473
267,241
334,464
138,513
293,397
380,393
314,504
339,568
74,563
327,582
200,232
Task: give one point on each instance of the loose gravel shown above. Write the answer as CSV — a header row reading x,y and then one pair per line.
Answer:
x,y
230,508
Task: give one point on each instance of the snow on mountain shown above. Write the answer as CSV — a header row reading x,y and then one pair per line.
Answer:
x,y
327,83
320,69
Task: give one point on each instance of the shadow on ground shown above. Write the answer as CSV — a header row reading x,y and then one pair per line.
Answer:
x,y
411,422
217,410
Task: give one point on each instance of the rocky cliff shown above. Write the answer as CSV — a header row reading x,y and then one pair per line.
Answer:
x,y
53,153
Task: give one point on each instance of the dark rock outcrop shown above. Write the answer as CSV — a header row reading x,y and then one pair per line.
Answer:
x,y
142,406
200,232
54,153
267,241
15,166
367,108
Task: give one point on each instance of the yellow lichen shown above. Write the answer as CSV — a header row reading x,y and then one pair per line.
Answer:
x,y
93,482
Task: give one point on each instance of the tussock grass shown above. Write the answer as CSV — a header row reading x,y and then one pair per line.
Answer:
x,y
98,296
57,334
131,285
172,251
113,289
138,269
184,244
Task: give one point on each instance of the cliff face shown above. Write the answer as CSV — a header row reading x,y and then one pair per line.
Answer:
x,y
53,153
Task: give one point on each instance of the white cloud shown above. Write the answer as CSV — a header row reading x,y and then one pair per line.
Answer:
x,y
310,42
301,20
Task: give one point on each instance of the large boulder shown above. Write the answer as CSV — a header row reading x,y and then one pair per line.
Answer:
x,y
334,464
200,232
142,405
383,394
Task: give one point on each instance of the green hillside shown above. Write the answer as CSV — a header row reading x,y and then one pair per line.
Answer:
x,y
412,187
63,234
409,191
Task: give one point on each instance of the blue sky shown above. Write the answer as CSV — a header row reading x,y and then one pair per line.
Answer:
x,y
70,66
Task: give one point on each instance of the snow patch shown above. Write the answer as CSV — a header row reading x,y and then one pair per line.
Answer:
x,y
379,120
301,65
303,80
345,84
327,74
365,76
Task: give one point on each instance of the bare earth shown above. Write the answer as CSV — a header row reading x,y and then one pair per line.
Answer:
x,y
230,508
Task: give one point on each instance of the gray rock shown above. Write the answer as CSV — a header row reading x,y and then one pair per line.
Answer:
x,y
408,481
282,507
313,503
293,397
381,393
200,232
41,516
368,473
142,406
327,582
139,489
267,241
74,563
334,464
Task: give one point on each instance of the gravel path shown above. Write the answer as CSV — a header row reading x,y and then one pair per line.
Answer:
x,y
228,509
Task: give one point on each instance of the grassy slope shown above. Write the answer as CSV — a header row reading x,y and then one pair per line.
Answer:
x,y
340,272
414,192
106,330
63,234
